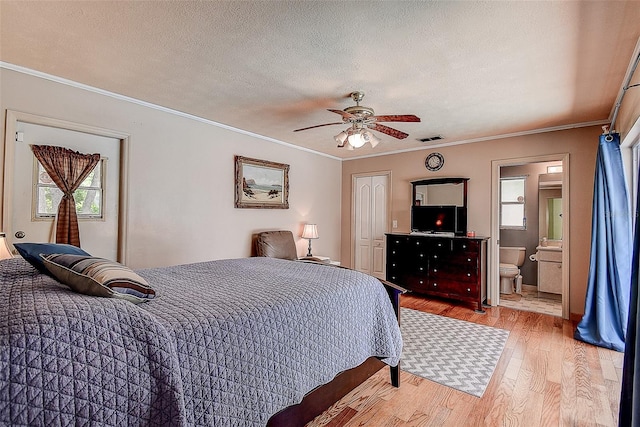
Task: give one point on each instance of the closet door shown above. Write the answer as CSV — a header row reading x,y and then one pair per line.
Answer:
x,y
370,223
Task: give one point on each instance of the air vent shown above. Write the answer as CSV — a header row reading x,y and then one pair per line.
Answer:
x,y
431,138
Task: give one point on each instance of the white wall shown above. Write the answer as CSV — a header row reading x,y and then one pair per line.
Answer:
x,y
181,176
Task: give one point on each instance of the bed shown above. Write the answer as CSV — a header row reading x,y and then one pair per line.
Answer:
x,y
225,343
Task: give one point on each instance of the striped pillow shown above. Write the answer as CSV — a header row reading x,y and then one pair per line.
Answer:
x,y
98,277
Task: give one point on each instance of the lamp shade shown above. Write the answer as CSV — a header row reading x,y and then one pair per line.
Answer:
x,y
341,138
310,231
356,140
5,253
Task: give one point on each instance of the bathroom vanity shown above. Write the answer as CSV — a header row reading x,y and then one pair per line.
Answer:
x,y
549,269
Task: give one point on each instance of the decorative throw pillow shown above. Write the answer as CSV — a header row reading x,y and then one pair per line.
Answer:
x,y
31,252
98,277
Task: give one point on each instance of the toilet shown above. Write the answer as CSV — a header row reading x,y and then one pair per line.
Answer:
x,y
511,259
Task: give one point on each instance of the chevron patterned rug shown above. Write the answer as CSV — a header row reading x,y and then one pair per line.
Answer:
x,y
451,352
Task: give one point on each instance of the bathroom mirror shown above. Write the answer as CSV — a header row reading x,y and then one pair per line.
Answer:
x,y
440,192
550,213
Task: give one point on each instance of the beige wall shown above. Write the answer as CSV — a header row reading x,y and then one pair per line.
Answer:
x,y
474,161
630,108
181,176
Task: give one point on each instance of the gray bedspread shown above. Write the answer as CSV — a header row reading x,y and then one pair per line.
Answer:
x,y
225,343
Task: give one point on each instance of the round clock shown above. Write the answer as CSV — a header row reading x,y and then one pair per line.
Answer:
x,y
434,161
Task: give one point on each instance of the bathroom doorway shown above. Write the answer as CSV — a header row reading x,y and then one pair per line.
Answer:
x,y
530,223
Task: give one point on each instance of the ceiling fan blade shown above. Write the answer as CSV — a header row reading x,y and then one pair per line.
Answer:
x,y
389,131
397,118
344,114
317,126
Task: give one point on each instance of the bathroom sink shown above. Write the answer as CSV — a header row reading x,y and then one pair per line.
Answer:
x,y
549,248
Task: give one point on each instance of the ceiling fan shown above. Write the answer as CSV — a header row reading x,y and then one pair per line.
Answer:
x,y
362,119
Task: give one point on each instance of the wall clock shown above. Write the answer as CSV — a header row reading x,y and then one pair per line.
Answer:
x,y
434,162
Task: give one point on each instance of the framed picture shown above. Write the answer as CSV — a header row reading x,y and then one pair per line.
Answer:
x,y
261,184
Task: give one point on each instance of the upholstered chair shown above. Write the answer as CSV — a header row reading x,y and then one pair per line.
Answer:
x,y
275,244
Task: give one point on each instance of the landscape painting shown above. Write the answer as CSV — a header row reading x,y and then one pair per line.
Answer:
x,y
261,184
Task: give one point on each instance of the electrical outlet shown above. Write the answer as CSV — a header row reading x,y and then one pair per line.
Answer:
x,y
395,223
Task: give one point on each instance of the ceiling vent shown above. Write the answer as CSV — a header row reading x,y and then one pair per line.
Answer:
x,y
431,138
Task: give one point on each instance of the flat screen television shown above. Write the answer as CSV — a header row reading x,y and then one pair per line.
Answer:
x,y
434,219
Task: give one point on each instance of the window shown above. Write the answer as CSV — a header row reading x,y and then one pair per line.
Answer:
x,y
512,203
89,196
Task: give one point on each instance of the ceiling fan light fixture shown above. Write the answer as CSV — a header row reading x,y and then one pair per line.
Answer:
x,y
356,138
369,137
341,138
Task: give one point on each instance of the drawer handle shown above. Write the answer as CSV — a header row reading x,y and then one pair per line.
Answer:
x,y
468,274
468,289
468,259
435,270
435,285
393,252
417,243
439,245
421,282
393,277
421,255
393,265
421,268
464,246
435,256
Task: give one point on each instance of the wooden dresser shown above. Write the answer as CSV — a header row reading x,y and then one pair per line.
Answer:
x,y
448,267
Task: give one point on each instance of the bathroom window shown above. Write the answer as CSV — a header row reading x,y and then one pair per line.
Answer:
x,y
512,203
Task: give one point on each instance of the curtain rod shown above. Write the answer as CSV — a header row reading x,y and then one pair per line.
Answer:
x,y
625,87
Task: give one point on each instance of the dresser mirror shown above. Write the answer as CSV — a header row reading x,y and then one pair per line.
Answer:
x,y
440,192
439,205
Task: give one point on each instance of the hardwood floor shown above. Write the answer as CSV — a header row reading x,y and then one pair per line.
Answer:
x,y
543,378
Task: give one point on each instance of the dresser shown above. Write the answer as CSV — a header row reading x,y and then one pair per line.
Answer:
x,y
448,267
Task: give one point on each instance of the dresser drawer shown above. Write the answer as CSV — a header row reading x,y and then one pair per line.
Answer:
x,y
463,290
471,246
464,260
460,275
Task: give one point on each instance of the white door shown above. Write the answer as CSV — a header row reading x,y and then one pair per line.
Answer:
x,y
370,223
99,237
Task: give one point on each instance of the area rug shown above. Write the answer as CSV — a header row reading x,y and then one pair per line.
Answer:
x,y
451,352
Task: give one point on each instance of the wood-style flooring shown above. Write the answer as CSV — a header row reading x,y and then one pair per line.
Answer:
x,y
543,378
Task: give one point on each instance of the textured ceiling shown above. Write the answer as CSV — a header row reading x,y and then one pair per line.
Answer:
x,y
469,70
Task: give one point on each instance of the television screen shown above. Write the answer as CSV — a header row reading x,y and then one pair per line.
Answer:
x,y
433,219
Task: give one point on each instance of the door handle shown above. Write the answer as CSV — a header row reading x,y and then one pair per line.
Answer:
x,y
20,235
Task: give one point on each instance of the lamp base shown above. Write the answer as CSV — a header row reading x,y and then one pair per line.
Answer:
x,y
309,252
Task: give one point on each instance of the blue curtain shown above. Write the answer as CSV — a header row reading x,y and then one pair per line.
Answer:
x,y
606,309
629,414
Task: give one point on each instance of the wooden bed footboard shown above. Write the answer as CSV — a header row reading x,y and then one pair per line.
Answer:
x,y
319,400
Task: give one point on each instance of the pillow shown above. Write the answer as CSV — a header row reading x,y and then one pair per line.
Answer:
x,y
31,252
98,277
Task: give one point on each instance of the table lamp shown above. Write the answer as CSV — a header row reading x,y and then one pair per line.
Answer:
x,y
5,252
310,232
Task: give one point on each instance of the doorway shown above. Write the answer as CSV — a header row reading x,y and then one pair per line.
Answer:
x,y
370,222
544,274
101,237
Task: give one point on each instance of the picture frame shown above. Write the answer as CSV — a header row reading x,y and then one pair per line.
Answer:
x,y
261,184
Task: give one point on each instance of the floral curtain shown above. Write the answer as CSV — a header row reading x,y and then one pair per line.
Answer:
x,y
67,169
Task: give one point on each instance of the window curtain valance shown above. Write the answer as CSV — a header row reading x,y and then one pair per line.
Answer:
x,y
67,169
